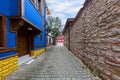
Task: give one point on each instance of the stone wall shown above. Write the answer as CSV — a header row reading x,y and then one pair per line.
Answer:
x,y
66,38
66,32
95,37
7,66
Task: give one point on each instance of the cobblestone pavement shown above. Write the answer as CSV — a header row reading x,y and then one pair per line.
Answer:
x,y
57,63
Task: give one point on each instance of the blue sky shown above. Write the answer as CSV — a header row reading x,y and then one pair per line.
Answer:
x,y
64,8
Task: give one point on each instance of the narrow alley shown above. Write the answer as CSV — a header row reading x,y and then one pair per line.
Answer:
x,y
57,63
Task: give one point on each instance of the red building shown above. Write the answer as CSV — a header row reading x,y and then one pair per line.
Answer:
x,y
60,39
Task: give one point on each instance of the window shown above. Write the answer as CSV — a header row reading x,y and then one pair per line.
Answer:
x,y
2,31
41,37
33,1
38,4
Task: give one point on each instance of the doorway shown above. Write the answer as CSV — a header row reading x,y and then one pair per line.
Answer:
x,y
25,41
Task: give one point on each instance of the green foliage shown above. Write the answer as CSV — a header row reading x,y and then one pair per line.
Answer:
x,y
53,26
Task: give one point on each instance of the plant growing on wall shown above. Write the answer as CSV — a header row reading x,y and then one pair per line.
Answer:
x,y
53,27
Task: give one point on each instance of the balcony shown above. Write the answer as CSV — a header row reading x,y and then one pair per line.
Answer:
x,y
31,13
27,15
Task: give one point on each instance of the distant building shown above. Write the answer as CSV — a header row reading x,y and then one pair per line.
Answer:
x,y
49,39
22,32
60,39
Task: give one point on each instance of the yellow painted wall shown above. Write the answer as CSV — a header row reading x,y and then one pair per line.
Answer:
x,y
7,66
37,52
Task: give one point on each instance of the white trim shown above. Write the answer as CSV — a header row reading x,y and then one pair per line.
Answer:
x,y
24,59
29,62
22,7
31,23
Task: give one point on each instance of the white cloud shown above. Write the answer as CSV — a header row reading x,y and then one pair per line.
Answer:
x,y
64,8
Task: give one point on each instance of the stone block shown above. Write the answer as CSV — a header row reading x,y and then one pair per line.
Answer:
x,y
97,31
115,77
116,48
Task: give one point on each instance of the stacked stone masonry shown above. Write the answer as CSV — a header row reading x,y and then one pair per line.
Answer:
x,y
66,38
37,52
95,37
8,66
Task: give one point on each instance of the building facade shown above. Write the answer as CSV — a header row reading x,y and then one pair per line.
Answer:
x,y
49,39
94,37
66,32
60,39
22,32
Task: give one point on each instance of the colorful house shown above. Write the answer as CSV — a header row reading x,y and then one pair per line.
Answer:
x,y
49,39
60,39
22,32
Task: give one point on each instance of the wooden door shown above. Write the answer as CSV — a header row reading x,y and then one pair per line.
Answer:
x,y
22,42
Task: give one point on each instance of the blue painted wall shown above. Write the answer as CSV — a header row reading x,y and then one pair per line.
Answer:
x,y
45,36
37,42
36,18
7,54
10,8
5,7
14,7
32,14
44,33
10,36
10,41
